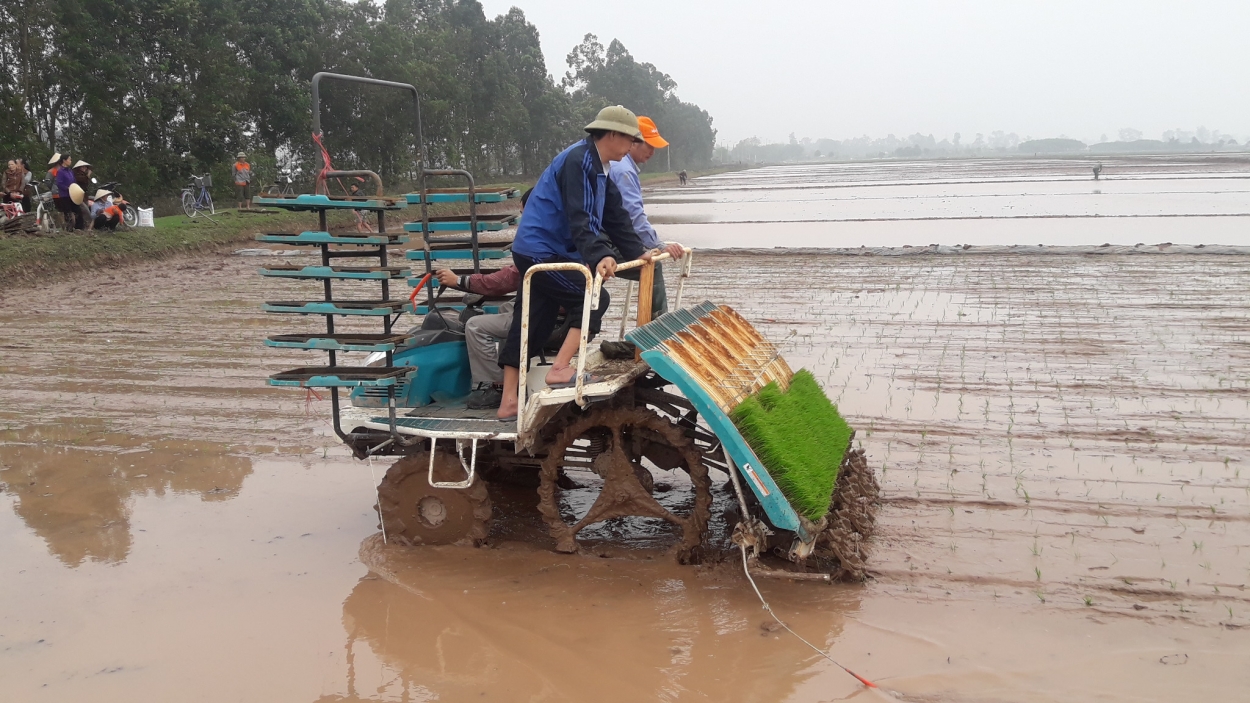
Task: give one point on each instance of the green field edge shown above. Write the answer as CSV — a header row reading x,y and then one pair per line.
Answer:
x,y
33,260
27,261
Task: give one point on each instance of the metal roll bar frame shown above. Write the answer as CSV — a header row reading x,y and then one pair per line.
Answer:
x,y
594,284
396,438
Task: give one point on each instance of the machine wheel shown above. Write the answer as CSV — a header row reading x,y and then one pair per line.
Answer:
x,y
622,437
130,215
188,203
415,513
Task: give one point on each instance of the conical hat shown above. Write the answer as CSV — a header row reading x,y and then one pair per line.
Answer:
x,y
56,159
76,194
81,163
101,193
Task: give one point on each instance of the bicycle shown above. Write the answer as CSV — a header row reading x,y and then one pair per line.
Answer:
x,y
45,221
195,197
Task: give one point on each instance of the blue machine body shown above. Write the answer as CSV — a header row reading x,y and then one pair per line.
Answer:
x,y
442,370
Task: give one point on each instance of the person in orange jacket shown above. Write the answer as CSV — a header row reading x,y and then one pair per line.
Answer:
x,y
242,171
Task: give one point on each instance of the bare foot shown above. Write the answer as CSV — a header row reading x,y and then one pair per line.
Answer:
x,y
563,375
507,409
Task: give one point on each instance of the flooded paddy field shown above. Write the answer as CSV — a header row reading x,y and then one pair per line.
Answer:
x,y
1201,199
1062,443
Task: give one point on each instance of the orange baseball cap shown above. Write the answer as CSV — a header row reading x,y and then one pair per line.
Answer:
x,y
650,134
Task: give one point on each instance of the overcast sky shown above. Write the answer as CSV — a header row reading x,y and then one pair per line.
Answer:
x,y
845,69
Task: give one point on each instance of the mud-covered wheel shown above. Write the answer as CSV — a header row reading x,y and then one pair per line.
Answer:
x,y
415,513
622,437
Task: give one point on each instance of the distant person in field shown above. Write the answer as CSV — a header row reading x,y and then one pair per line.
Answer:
x,y
624,174
242,171
1097,171
681,177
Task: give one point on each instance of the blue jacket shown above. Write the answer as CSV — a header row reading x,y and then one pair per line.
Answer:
x,y
624,174
575,213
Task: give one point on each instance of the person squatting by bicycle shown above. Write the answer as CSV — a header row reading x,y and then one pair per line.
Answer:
x,y
574,215
105,214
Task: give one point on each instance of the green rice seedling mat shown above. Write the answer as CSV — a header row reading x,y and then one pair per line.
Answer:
x,y
800,437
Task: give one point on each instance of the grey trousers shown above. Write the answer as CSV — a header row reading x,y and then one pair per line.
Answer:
x,y
483,334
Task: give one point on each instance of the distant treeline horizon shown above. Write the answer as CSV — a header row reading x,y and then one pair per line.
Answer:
x,y
1130,141
154,92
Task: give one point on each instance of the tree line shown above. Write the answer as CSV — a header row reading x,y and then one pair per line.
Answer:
x,y
153,91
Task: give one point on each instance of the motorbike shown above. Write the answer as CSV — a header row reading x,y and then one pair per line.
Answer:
x,y
130,213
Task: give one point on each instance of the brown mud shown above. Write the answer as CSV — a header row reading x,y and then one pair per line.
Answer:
x,y
1060,444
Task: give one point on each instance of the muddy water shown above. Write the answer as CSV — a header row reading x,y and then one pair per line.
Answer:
x,y
1061,443
1192,199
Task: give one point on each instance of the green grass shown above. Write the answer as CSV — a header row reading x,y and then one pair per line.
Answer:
x,y
801,439
29,260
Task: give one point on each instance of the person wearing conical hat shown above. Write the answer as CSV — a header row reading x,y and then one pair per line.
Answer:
x,y
574,215
625,174
105,214
95,205
54,165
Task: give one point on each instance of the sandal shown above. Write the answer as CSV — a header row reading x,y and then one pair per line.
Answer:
x,y
587,378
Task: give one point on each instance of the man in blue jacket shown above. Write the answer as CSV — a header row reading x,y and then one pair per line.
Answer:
x,y
574,214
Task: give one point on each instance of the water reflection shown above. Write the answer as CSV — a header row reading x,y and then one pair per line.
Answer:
x,y
519,623
73,482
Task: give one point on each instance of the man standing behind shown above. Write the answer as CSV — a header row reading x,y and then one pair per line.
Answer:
x,y
624,174
243,181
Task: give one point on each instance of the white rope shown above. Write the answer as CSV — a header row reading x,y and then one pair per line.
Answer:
x,y
769,608
378,495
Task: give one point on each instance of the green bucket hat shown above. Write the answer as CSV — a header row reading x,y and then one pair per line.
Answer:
x,y
616,118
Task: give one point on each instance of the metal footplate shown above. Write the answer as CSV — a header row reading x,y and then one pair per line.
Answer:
x,y
461,195
341,376
340,342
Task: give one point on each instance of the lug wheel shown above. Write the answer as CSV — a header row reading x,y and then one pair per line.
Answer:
x,y
415,513
614,441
